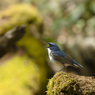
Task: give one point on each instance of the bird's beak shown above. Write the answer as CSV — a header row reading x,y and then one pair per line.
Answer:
x,y
47,46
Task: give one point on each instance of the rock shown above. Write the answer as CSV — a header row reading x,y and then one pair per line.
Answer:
x,y
17,15
18,75
64,83
8,40
25,71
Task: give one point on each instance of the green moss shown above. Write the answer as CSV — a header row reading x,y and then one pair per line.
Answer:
x,y
26,14
33,47
18,76
17,15
60,83
50,86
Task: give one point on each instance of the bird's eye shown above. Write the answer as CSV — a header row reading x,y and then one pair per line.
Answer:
x,y
51,45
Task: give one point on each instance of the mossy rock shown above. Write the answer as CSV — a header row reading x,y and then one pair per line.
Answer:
x,y
35,81
17,15
18,76
34,48
35,56
70,84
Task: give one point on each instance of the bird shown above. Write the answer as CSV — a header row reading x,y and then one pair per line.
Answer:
x,y
57,55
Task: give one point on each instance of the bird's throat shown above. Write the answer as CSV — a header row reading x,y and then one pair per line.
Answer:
x,y
49,53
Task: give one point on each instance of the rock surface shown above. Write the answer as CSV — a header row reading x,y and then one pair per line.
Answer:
x,y
64,83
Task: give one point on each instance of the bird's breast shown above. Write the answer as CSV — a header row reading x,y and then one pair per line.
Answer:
x,y
50,55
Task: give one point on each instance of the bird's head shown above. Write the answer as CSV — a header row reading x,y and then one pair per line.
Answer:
x,y
53,46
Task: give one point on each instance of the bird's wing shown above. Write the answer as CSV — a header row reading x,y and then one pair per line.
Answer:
x,y
62,57
69,59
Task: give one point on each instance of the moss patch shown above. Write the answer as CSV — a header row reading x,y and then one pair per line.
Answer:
x,y
17,15
34,48
36,81
61,82
69,84
18,76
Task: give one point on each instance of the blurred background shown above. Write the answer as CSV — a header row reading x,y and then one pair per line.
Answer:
x,y
25,25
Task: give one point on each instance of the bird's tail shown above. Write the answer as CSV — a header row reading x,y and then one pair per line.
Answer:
x,y
75,63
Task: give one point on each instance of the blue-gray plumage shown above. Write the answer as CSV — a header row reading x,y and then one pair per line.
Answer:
x,y
55,54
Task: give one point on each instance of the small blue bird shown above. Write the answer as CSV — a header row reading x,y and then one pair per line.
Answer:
x,y
55,54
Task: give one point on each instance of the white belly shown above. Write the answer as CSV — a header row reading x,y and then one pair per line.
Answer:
x,y
53,61
50,57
